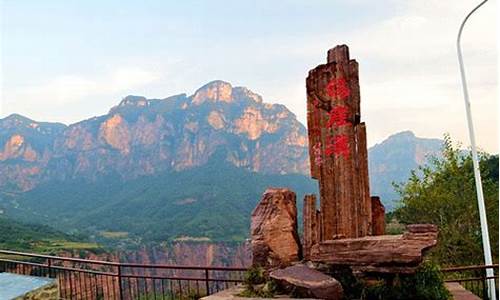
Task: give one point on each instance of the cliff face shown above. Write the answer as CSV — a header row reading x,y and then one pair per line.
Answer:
x,y
26,147
194,254
178,253
143,136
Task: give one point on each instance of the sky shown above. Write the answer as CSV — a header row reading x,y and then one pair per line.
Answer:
x,y
70,60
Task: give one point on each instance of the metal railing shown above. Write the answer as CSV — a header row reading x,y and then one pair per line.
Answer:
x,y
93,279
472,278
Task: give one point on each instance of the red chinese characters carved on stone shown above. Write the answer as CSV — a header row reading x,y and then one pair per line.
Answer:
x,y
338,145
317,154
337,88
338,116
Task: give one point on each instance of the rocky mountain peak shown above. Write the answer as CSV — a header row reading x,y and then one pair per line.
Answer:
x,y
403,135
214,91
393,159
141,136
16,123
131,100
221,91
17,120
240,92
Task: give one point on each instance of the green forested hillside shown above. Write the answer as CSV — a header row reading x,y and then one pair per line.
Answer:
x,y
15,235
213,201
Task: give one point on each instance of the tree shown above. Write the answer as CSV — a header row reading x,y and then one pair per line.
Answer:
x,y
443,193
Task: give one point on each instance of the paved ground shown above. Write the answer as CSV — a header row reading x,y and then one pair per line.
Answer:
x,y
231,292
14,285
459,292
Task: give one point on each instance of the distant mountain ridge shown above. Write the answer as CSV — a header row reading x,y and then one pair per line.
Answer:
x,y
393,159
183,166
143,136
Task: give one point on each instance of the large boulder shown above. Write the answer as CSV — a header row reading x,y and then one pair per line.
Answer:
x,y
306,282
275,240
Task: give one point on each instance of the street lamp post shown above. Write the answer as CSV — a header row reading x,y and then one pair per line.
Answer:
x,y
475,161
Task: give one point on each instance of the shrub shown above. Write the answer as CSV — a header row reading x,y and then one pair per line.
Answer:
x,y
425,284
257,284
255,275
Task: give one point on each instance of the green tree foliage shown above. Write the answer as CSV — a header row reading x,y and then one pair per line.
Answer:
x,y
443,193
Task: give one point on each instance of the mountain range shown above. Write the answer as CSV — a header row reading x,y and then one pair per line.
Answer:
x,y
183,167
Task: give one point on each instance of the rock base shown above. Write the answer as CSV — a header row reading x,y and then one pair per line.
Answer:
x,y
302,281
379,254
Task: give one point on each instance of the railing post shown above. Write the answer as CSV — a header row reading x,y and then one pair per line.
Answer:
x,y
484,283
49,266
206,282
120,294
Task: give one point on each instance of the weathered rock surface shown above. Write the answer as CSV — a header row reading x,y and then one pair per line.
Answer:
x,y
337,146
306,282
275,241
458,292
311,218
379,254
141,137
378,216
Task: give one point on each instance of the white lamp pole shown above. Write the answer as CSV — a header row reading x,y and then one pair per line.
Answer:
x,y
475,161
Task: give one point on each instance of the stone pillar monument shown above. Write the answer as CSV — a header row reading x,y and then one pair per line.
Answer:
x,y
348,229
337,147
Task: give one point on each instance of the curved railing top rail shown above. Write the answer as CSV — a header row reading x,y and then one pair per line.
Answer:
x,y
119,264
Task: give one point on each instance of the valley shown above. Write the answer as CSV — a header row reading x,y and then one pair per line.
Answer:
x,y
184,169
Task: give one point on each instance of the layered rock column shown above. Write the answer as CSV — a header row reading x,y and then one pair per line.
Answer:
x,y
337,147
378,216
312,224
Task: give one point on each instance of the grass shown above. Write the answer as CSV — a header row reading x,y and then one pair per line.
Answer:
x,y
67,245
114,234
51,247
192,239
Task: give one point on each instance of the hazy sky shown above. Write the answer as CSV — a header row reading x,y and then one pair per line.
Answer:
x,y
70,60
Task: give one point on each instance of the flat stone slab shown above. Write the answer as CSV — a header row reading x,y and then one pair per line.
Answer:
x,y
232,292
308,282
15,285
379,254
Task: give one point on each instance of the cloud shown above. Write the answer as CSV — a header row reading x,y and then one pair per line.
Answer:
x,y
129,78
42,100
67,89
61,90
